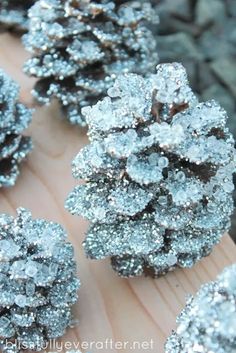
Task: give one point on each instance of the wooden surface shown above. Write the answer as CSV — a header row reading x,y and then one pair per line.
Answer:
x,y
109,307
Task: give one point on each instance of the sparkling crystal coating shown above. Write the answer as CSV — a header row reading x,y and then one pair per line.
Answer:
x,y
14,119
37,279
207,323
13,14
158,174
79,47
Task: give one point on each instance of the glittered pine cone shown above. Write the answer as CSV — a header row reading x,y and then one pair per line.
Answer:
x,y
14,119
37,279
207,323
158,174
79,47
13,14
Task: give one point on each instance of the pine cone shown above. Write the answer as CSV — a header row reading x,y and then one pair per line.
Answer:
x,y
79,47
13,14
158,174
38,281
207,323
14,118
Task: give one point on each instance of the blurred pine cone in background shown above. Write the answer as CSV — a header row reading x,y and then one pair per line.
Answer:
x,y
79,47
14,119
13,14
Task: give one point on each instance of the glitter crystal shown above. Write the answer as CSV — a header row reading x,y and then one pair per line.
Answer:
x,y
160,159
142,169
79,48
14,118
31,268
207,323
37,288
20,300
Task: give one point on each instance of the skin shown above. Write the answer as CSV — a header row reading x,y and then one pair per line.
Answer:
x,y
109,307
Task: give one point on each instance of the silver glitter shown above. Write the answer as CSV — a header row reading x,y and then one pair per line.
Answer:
x,y
13,14
14,119
37,279
158,174
207,323
80,47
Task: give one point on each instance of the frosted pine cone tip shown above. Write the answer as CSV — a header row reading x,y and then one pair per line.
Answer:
x,y
158,174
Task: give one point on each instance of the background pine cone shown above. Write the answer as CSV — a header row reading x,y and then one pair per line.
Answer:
x,y
14,118
38,280
13,14
207,323
79,47
158,174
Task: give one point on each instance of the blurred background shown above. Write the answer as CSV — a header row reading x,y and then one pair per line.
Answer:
x,y
202,35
